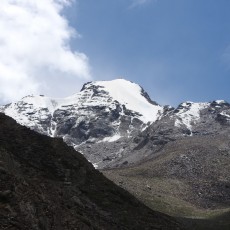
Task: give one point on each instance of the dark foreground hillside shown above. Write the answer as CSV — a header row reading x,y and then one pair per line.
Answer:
x,y
44,185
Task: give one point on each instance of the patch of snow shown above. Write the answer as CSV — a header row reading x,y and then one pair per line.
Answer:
x,y
129,94
190,113
220,101
144,128
95,165
112,138
225,114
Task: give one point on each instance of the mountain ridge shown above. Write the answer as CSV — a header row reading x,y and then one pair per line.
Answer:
x,y
176,161
111,116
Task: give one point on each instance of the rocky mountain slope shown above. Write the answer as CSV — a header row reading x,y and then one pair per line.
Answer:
x,y
176,160
188,178
187,120
100,114
45,184
118,121
199,164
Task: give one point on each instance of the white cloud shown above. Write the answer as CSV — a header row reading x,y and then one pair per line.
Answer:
x,y
35,52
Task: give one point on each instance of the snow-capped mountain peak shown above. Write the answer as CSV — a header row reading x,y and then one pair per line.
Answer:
x,y
220,101
118,100
188,113
106,115
103,112
128,94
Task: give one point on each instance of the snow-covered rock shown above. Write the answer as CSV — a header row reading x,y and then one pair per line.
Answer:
x,y
101,113
188,113
118,100
115,122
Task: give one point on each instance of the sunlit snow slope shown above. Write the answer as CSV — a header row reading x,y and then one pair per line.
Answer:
x,y
118,97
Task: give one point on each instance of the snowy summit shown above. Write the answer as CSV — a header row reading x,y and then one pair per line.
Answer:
x,y
131,96
118,99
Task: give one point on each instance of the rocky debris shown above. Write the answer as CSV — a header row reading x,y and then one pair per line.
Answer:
x,y
188,178
200,164
45,184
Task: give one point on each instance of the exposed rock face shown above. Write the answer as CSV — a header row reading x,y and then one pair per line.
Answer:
x,y
45,184
115,123
187,120
102,113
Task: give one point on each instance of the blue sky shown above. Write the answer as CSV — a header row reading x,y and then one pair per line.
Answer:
x,y
178,50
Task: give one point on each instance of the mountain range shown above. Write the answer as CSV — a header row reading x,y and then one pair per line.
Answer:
x,y
176,160
118,120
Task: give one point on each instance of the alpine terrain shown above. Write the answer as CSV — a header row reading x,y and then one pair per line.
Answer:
x,y
102,117
176,160
47,185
